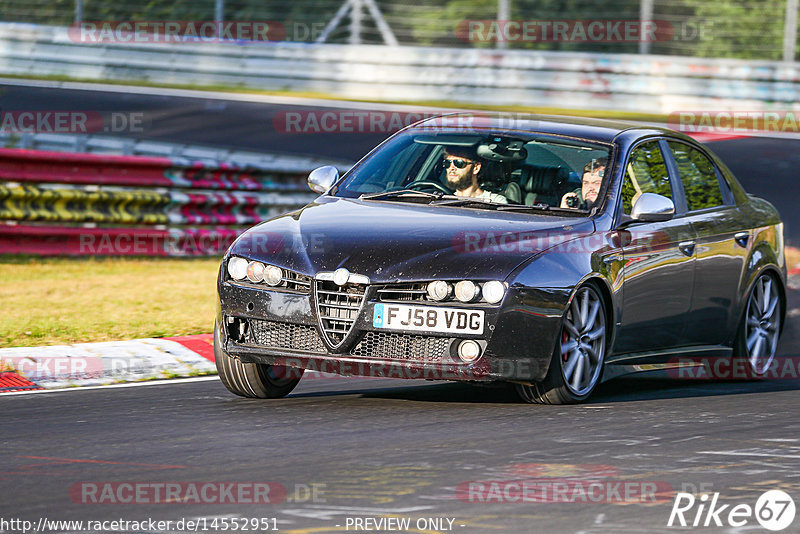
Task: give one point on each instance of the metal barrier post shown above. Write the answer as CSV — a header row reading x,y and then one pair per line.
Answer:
x,y
645,15
78,11
790,31
503,15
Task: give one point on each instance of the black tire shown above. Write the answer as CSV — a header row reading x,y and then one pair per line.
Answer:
x,y
254,380
761,323
556,388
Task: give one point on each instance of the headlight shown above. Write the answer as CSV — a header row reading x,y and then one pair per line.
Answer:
x,y
255,271
467,291
493,291
273,275
439,290
237,268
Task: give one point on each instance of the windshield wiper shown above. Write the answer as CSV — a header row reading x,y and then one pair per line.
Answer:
x,y
453,200
537,206
410,193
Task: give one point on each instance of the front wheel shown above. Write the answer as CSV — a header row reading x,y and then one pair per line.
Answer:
x,y
578,358
757,338
255,380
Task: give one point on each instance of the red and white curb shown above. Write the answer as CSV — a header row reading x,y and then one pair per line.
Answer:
x,y
96,364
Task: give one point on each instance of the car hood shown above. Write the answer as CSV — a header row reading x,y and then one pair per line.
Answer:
x,y
392,241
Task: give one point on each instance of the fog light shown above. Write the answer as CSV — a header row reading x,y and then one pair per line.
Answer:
x,y
273,275
255,271
439,290
469,351
467,291
237,268
493,291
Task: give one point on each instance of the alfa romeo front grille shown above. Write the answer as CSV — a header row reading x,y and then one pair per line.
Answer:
x,y
297,282
286,336
402,347
403,292
338,308
382,345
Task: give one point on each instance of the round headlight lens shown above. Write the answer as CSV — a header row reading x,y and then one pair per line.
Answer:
x,y
273,275
255,271
439,290
237,268
493,291
467,291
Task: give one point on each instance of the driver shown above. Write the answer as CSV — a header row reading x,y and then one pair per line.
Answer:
x,y
462,168
586,196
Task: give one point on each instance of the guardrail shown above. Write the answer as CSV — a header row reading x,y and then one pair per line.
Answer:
x,y
522,77
89,204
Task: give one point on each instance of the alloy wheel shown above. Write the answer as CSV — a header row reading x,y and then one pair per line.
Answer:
x,y
583,342
762,324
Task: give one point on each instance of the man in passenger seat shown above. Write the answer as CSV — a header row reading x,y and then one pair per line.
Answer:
x,y
462,169
586,196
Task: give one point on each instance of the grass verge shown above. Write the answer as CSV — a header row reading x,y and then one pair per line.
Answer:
x,y
47,301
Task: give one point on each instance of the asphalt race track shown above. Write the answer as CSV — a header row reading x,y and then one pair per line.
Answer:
x,y
375,448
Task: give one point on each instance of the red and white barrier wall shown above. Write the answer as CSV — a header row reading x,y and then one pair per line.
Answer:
x,y
88,204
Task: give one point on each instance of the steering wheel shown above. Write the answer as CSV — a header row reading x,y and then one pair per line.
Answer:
x,y
429,183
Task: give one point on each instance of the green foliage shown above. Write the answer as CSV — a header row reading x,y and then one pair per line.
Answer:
x,y
750,29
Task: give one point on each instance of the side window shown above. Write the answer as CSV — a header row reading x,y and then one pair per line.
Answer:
x,y
646,173
698,175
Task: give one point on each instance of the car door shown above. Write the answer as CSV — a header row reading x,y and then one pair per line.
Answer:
x,y
721,244
658,259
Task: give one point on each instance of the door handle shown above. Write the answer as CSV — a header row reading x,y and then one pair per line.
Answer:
x,y
742,238
687,247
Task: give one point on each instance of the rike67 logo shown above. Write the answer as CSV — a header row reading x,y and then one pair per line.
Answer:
x,y
774,510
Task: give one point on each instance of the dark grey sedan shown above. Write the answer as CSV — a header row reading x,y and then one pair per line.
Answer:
x,y
547,252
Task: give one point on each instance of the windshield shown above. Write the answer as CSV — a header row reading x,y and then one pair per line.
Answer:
x,y
484,167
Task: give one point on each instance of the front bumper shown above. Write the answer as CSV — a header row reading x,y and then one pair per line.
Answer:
x,y
262,325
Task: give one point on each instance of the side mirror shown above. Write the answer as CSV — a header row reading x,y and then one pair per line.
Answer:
x,y
650,207
321,179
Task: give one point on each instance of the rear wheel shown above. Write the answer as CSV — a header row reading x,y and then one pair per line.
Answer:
x,y
255,380
757,339
578,359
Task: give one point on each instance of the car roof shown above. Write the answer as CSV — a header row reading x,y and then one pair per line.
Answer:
x,y
601,130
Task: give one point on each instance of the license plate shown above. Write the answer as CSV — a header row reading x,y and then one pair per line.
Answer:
x,y
427,319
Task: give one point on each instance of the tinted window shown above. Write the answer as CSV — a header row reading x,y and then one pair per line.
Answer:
x,y
698,175
646,173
